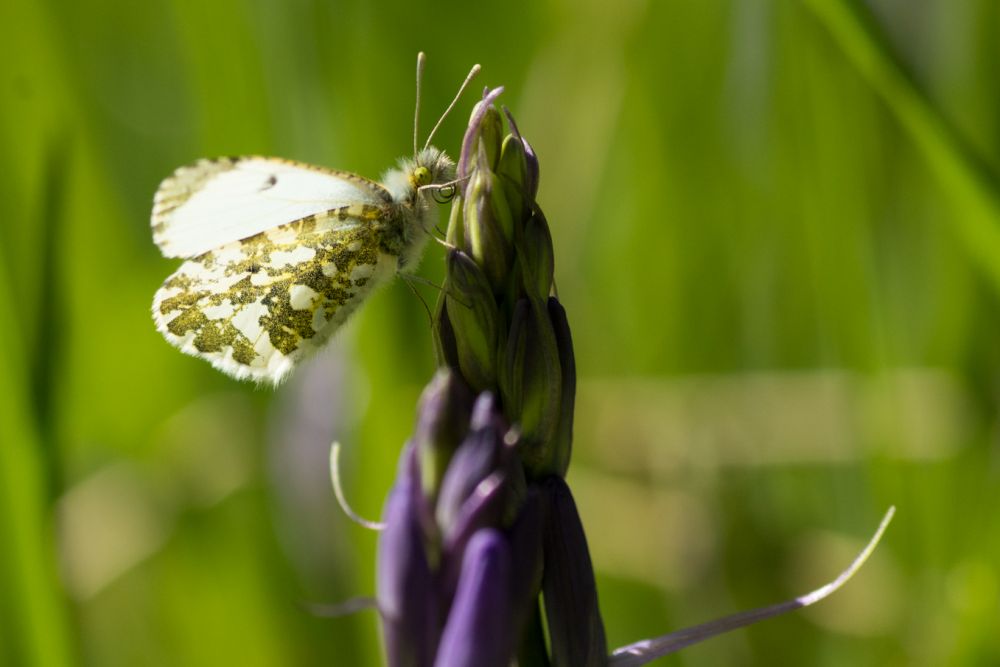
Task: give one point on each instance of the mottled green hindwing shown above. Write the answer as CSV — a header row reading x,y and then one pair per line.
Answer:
x,y
256,306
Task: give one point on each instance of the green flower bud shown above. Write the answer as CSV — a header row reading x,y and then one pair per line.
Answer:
x,y
536,257
482,114
490,133
473,316
530,383
489,226
562,442
513,173
445,345
456,227
511,381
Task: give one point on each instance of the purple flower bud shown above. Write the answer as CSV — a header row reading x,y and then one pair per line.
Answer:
x,y
476,491
406,586
479,629
476,458
576,631
531,178
442,420
483,509
526,551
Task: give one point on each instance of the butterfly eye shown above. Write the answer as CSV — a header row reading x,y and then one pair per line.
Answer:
x,y
445,194
421,176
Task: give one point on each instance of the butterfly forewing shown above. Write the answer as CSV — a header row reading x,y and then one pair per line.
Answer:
x,y
254,307
214,202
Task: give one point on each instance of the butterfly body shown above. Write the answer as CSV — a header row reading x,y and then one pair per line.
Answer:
x,y
279,254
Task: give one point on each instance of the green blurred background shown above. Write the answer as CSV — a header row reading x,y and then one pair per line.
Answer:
x,y
777,228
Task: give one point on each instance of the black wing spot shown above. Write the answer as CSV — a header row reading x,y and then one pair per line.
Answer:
x,y
271,181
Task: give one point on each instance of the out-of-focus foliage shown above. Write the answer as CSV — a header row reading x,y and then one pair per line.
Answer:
x,y
775,225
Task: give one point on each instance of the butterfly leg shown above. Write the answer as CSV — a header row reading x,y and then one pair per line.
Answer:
x,y
406,279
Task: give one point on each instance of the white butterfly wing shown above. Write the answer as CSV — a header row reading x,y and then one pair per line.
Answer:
x,y
214,202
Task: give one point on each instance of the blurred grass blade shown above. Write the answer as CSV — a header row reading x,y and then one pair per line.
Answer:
x,y
961,172
644,651
51,329
32,617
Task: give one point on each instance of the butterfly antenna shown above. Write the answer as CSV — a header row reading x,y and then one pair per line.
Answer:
x,y
465,84
421,60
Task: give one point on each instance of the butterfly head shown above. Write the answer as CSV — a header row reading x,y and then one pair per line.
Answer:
x,y
427,174
431,167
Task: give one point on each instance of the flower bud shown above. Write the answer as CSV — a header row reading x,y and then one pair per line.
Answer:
x,y
526,550
490,134
531,179
445,345
479,630
442,421
511,377
479,454
482,509
576,631
488,227
562,442
512,175
473,316
455,236
483,115
536,257
406,585
530,383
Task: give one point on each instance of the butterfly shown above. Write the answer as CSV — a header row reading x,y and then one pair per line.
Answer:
x,y
279,253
